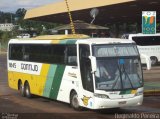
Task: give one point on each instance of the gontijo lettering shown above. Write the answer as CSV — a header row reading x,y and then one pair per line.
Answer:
x,y
29,67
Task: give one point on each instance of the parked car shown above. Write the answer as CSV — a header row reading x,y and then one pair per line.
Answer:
x,y
24,35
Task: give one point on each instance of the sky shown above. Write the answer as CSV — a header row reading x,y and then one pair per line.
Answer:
x,y
13,5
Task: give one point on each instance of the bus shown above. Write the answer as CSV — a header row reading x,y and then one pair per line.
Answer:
x,y
70,69
148,44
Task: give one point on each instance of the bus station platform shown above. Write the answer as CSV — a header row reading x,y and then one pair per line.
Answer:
x,y
152,81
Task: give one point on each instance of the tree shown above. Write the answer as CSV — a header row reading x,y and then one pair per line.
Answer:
x,y
6,17
20,12
5,36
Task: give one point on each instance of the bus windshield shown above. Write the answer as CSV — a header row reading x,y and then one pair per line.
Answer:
x,y
118,72
115,50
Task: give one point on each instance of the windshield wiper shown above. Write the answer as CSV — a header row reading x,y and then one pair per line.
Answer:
x,y
117,78
122,71
126,74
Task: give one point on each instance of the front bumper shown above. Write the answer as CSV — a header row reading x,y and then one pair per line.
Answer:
x,y
100,103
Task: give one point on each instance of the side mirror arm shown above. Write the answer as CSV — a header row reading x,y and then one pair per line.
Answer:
x,y
93,63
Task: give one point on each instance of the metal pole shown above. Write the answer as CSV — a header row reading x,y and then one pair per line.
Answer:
x,y
70,17
11,18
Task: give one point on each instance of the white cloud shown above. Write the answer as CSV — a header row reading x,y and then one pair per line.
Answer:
x,y
13,5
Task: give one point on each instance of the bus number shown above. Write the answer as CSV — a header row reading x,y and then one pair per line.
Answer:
x,y
12,65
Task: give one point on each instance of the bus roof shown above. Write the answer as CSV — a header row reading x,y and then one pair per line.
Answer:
x,y
73,41
141,34
60,37
104,41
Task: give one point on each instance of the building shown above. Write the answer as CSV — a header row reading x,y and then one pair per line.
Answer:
x,y
121,16
6,27
110,11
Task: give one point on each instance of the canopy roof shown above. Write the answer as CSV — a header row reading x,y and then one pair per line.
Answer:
x,y
109,10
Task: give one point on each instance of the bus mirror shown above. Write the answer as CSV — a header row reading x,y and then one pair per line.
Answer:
x,y
148,61
93,63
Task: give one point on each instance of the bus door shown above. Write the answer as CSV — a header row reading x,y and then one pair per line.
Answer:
x,y
85,68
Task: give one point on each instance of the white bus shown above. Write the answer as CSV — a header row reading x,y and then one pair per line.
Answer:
x,y
94,73
148,44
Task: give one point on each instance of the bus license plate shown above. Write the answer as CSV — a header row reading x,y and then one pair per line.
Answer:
x,y
122,102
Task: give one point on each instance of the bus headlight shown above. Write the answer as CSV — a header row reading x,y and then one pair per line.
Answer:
x,y
101,96
139,93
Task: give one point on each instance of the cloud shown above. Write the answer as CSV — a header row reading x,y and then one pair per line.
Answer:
x,y
13,5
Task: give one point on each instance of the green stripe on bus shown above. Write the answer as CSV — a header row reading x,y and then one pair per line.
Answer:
x,y
125,92
72,41
63,41
57,81
48,85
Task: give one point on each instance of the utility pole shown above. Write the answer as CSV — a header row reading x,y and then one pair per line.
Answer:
x,y
70,17
11,17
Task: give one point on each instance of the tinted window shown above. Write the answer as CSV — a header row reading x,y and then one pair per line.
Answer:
x,y
71,55
16,52
44,53
147,40
115,50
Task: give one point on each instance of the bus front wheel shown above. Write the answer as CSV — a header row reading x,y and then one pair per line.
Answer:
x,y
74,102
27,91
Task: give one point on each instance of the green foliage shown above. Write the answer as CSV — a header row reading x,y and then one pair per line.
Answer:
x,y
30,26
20,12
6,17
158,27
26,25
17,18
5,36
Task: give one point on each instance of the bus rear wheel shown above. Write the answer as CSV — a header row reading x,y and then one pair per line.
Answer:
x,y
74,101
27,91
21,89
154,61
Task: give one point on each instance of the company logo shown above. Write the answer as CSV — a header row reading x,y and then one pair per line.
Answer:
x,y
149,22
85,100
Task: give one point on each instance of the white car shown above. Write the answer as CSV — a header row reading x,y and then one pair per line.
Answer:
x,y
25,35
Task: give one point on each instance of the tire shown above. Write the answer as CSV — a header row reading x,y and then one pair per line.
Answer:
x,y
74,101
27,91
154,61
21,89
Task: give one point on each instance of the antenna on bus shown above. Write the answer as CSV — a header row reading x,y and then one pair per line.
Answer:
x,y
93,13
70,17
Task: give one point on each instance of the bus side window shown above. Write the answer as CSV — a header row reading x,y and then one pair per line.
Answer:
x,y
72,60
10,52
58,54
71,55
26,52
16,52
